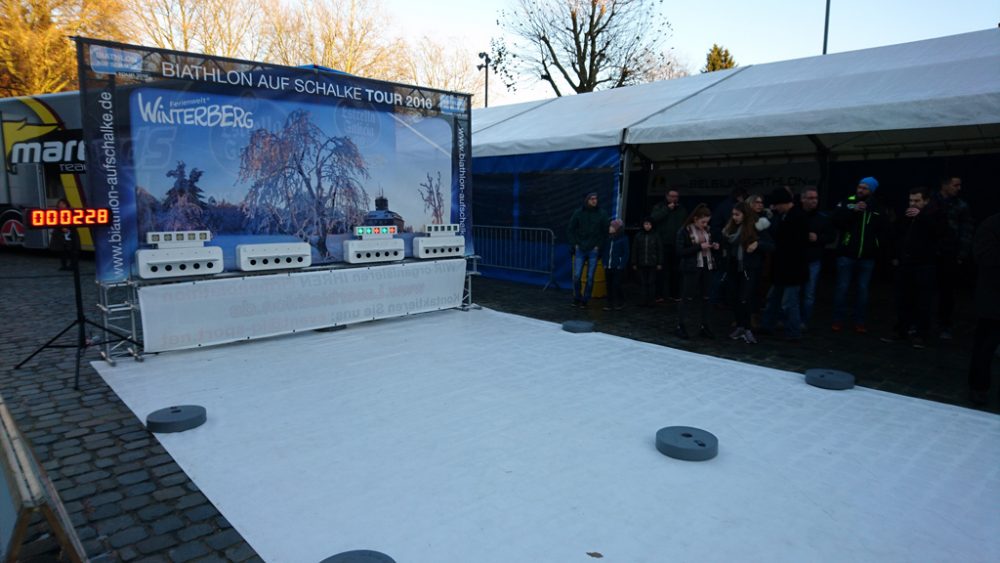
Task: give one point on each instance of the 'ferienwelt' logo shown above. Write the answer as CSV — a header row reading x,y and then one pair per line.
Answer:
x,y
109,61
207,115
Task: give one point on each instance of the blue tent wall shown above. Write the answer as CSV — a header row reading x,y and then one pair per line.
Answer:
x,y
541,191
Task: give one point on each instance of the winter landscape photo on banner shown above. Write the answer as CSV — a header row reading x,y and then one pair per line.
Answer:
x,y
259,154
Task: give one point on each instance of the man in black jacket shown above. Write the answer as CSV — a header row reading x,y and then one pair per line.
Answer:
x,y
863,225
820,234
789,270
918,236
986,251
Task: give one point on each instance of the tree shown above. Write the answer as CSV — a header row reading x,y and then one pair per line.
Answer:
x,y
303,182
718,58
345,35
36,54
433,198
447,67
667,67
586,45
226,28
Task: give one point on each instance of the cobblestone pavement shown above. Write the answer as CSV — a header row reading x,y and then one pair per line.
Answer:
x,y
126,497
129,501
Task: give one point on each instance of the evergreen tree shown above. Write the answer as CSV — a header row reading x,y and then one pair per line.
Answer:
x,y
718,59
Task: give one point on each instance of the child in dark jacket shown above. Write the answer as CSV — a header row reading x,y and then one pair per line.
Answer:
x,y
615,262
647,258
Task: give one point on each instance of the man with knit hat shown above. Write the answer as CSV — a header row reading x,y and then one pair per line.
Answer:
x,y
587,233
863,225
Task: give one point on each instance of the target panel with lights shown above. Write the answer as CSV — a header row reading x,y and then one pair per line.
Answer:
x,y
374,244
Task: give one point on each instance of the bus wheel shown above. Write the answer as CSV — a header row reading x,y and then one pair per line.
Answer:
x,y
11,228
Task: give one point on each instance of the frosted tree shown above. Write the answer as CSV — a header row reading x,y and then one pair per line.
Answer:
x,y
433,198
303,182
185,187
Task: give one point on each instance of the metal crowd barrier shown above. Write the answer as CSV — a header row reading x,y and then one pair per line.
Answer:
x,y
516,248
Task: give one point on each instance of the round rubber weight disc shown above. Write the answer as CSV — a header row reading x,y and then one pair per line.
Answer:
x,y
359,556
176,419
687,443
829,379
578,326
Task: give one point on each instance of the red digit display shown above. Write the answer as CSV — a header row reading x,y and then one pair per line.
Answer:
x,y
56,218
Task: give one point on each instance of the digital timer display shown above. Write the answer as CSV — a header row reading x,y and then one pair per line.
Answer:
x,y
85,217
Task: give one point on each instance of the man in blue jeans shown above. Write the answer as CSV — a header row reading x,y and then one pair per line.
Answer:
x,y
820,234
862,223
587,233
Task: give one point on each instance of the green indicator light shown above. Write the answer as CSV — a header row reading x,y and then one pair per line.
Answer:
x,y
368,231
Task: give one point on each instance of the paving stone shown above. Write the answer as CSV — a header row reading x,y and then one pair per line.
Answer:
x,y
92,476
114,525
166,469
168,493
133,478
136,444
156,543
188,551
129,536
133,503
134,456
154,559
67,452
194,532
81,491
174,479
100,444
80,458
157,460
143,488
223,540
153,511
128,553
105,511
191,499
241,552
167,524
104,498
200,513
210,559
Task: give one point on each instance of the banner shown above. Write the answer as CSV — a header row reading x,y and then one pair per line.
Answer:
x,y
260,153
192,314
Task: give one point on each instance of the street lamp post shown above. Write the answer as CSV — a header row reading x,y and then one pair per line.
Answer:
x,y
486,65
826,26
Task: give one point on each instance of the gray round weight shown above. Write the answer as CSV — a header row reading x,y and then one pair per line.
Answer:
x,y
829,379
687,443
359,556
578,326
176,419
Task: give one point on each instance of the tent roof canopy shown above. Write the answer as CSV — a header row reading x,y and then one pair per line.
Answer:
x,y
936,93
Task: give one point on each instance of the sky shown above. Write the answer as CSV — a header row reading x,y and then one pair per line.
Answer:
x,y
755,32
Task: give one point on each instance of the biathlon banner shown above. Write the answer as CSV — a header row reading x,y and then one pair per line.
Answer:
x,y
259,153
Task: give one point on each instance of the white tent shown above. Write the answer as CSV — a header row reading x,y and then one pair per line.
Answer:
x,y
931,95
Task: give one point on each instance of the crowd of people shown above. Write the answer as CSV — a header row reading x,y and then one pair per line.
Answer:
x,y
759,257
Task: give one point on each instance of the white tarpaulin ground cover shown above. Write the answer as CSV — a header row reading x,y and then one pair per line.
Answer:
x,y
480,436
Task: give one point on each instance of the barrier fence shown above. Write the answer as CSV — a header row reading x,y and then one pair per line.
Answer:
x,y
520,249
